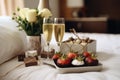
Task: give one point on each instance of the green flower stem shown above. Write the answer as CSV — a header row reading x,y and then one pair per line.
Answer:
x,y
32,28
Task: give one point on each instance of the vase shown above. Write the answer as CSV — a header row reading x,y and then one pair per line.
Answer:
x,y
34,43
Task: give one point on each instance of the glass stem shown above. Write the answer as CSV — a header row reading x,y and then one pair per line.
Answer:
x,y
59,46
48,50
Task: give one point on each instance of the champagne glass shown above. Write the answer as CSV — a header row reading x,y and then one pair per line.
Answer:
x,y
59,29
47,31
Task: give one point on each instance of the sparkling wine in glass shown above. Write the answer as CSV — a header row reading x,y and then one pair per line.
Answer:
x,y
47,31
59,29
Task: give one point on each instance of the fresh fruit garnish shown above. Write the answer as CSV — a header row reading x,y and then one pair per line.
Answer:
x,y
86,54
72,55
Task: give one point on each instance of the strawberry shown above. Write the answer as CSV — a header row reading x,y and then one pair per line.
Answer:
x,y
55,56
63,61
91,61
86,54
72,55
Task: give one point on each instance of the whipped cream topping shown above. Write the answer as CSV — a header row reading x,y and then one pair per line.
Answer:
x,y
77,62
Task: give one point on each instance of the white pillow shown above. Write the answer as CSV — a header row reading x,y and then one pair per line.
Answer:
x,y
12,41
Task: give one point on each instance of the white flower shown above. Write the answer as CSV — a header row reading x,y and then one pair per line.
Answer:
x,y
23,12
31,15
45,13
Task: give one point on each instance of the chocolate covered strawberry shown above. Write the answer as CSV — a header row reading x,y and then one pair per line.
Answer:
x,y
91,61
86,54
56,56
63,61
72,55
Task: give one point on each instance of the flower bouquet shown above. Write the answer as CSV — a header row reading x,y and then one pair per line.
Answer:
x,y
31,20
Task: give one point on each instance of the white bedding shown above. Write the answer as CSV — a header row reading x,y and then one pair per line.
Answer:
x,y
108,50
12,41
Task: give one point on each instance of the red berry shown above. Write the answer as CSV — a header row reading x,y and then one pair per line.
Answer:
x,y
63,61
86,54
56,56
91,61
72,55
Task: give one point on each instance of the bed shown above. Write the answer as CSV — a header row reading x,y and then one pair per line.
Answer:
x,y
108,51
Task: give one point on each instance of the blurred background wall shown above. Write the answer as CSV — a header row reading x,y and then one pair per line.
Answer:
x,y
54,5
90,8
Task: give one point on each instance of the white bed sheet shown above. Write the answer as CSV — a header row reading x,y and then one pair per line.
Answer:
x,y
108,51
